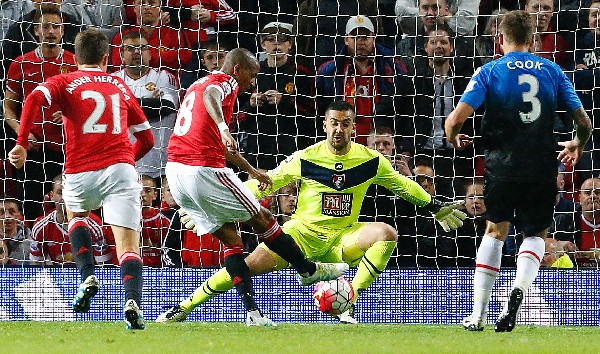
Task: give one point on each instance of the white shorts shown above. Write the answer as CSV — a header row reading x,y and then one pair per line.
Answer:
x,y
116,189
211,196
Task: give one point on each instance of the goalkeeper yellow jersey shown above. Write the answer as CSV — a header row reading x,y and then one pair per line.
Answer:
x,y
332,187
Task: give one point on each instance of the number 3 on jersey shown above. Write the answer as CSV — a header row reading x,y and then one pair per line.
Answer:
x,y
184,116
530,96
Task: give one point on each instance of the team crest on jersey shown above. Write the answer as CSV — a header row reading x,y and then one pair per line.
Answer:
x,y
64,69
339,181
336,204
151,86
290,88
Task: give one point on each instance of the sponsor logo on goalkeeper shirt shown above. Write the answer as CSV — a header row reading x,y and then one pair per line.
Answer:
x,y
337,204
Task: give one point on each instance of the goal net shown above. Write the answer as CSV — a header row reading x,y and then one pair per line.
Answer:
x,y
402,64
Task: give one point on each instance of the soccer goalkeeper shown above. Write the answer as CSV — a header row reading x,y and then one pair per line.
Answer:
x,y
335,175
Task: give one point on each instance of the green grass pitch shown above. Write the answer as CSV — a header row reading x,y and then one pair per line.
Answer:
x,y
222,338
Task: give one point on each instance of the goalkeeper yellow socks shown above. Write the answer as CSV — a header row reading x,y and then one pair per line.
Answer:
x,y
217,284
371,265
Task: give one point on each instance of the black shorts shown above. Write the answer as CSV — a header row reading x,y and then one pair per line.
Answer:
x,y
529,205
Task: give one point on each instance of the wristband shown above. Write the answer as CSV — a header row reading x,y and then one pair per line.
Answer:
x,y
222,126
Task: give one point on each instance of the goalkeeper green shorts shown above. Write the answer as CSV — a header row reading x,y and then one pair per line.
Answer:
x,y
330,247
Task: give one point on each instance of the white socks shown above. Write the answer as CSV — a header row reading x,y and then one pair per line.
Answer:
x,y
489,257
530,255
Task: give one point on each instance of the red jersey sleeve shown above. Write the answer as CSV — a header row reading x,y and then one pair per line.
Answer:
x,y
14,77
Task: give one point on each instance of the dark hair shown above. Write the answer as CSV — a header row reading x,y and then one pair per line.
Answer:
x,y
221,44
90,46
133,35
517,27
382,130
341,106
14,201
441,27
47,9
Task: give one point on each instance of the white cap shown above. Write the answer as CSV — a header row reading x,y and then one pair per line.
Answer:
x,y
359,21
281,27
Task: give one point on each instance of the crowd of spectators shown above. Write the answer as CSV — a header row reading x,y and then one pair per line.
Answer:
x,y
403,64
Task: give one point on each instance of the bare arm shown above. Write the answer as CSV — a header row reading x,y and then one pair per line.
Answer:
x,y
573,149
213,101
11,109
454,123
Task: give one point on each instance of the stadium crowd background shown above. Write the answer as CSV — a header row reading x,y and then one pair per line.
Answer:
x,y
403,65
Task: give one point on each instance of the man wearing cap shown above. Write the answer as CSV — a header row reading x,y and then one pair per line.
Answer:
x,y
362,74
279,116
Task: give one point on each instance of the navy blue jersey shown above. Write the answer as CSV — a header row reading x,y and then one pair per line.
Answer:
x,y
522,93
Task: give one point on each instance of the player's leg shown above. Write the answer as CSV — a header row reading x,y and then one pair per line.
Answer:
x,y
127,243
260,261
78,201
268,231
122,210
533,216
500,200
487,267
373,247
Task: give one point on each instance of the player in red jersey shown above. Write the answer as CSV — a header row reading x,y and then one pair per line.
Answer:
x,y
24,74
50,239
212,196
154,224
98,109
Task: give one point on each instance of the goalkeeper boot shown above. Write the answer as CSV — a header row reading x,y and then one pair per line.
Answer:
x,y
172,315
472,324
256,318
325,271
508,317
83,299
348,317
134,319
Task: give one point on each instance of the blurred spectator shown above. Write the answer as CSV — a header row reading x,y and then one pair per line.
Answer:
x,y
469,235
434,246
382,139
206,18
554,46
14,235
50,242
486,45
563,205
459,15
284,202
321,23
421,111
582,228
411,48
154,224
254,15
209,58
158,94
362,74
585,80
169,48
45,149
106,15
11,11
279,115
21,37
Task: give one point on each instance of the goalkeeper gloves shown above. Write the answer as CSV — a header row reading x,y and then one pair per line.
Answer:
x,y
447,214
187,221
